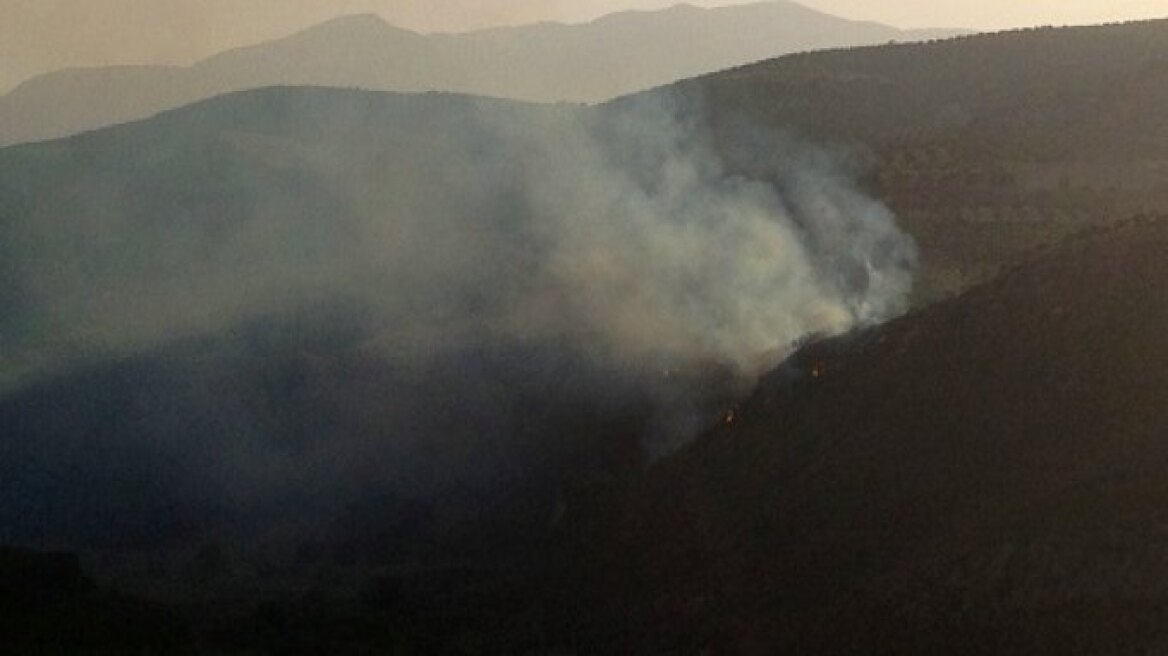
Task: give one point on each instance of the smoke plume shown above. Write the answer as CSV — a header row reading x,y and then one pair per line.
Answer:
x,y
517,273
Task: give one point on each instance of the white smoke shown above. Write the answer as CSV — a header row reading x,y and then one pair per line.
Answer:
x,y
525,282
655,250
622,235
619,230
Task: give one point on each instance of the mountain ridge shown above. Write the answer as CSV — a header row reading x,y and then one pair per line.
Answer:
x,y
545,62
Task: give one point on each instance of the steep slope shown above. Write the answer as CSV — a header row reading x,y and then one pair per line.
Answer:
x,y
618,54
984,146
985,476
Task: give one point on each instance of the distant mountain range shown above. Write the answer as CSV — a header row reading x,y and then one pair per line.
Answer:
x,y
613,55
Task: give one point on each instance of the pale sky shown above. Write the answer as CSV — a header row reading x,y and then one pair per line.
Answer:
x,y
41,35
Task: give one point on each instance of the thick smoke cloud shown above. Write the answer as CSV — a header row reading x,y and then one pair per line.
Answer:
x,y
620,230
663,252
326,296
622,233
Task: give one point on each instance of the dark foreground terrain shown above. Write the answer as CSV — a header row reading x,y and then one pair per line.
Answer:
x,y
985,476
1005,495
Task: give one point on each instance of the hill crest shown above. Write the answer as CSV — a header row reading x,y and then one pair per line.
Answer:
x,y
546,62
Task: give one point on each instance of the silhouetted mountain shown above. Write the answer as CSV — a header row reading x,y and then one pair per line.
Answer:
x,y
617,54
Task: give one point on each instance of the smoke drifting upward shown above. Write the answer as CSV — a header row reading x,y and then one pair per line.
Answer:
x,y
656,255
662,253
519,273
618,231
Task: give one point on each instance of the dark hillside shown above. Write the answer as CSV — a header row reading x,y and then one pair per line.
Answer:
x,y
1055,80
984,146
986,476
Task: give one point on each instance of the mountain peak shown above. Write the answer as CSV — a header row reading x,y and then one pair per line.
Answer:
x,y
547,62
368,18
679,8
367,23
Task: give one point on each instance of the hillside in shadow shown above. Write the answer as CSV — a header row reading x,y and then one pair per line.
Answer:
x,y
983,476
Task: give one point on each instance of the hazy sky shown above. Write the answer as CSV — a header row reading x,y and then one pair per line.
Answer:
x,y
41,35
